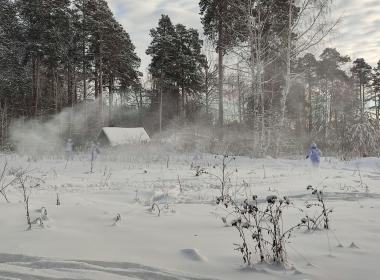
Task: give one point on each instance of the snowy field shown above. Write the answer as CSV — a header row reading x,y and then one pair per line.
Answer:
x,y
81,239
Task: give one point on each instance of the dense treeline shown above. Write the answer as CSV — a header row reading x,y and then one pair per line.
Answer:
x,y
253,73
57,53
177,70
285,96
267,83
339,108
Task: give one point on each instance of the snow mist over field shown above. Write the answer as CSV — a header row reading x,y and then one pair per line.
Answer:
x,y
39,137
33,136
152,214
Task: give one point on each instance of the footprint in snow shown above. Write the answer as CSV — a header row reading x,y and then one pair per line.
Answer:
x,y
193,254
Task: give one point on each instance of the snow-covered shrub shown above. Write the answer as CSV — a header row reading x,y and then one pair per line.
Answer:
x,y
198,170
155,209
362,138
40,220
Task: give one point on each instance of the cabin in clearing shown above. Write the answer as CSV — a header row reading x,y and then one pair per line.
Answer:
x,y
118,136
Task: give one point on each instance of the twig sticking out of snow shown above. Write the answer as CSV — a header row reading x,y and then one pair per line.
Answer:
x,y
37,221
118,218
155,206
137,199
179,183
353,246
58,200
4,185
324,217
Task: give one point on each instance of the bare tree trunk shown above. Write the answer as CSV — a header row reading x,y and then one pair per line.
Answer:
x,y
363,90
101,76
84,82
55,90
178,102
326,131
138,98
75,98
141,108
161,92
84,52
34,87
35,83
310,110
377,108
252,63
161,111
240,100
186,106
96,83
221,73
207,101
183,105
70,85
286,89
259,79
3,122
111,85
330,101
141,99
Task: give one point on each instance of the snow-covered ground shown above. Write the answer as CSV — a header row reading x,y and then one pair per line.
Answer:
x,y
188,240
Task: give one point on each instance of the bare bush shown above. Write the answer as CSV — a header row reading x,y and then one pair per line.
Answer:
x,y
221,171
322,218
261,228
26,183
4,183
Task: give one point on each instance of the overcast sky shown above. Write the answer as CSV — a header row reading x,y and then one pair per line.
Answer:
x,y
357,35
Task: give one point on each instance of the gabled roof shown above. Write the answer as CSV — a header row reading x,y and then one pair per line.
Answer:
x,y
121,136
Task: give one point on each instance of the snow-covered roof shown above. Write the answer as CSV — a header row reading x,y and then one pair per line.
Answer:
x,y
121,136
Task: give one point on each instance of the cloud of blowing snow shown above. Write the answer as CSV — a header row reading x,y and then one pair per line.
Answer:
x,y
48,137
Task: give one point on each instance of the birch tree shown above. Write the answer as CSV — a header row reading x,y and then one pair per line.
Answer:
x,y
305,31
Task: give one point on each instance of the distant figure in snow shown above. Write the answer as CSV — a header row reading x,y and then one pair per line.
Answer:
x,y
314,154
69,149
94,150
